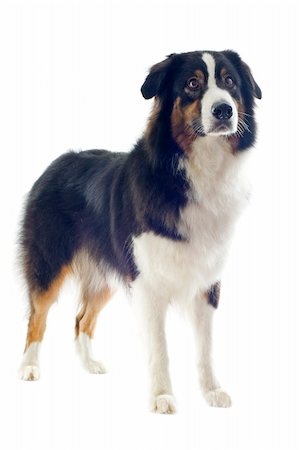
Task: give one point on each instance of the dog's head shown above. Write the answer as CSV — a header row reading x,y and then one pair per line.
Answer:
x,y
205,93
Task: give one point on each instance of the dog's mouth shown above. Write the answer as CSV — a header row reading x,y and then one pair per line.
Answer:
x,y
224,128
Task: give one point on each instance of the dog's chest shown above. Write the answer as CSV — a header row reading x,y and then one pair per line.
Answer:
x,y
218,193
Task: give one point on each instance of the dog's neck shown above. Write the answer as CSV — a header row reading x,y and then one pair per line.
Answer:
x,y
163,149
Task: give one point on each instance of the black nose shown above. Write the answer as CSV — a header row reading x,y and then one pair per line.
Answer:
x,y
222,111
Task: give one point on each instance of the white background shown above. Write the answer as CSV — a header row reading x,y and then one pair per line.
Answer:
x,y
70,78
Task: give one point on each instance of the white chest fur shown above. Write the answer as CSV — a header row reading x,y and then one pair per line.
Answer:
x,y
218,195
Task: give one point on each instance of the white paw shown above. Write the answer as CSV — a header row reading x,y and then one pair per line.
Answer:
x,y
163,404
93,366
218,398
29,373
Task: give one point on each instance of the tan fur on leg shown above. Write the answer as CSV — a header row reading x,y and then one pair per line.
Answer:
x,y
93,303
40,305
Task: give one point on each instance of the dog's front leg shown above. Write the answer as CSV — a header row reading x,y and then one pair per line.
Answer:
x,y
151,308
201,315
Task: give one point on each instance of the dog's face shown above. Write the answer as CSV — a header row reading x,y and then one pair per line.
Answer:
x,y
208,93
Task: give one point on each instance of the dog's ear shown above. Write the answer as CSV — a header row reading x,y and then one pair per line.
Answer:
x,y
255,87
244,69
153,83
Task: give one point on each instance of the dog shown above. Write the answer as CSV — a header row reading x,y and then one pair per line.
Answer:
x,y
157,220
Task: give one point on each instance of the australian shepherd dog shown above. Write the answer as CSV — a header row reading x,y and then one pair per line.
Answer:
x,y
157,220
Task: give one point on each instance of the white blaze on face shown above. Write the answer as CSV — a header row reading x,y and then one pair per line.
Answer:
x,y
214,95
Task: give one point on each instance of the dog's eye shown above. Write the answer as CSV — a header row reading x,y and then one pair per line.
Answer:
x,y
229,81
193,84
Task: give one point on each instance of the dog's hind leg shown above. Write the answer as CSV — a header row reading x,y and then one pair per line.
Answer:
x,y
40,303
92,304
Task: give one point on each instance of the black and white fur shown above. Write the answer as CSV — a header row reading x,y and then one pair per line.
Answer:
x,y
158,220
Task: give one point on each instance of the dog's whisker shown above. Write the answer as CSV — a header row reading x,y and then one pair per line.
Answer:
x,y
245,125
245,114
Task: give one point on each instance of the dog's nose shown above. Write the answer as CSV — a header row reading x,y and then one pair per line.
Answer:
x,y
222,111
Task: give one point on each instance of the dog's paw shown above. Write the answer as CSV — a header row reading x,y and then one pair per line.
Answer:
x,y
163,404
218,398
93,366
29,373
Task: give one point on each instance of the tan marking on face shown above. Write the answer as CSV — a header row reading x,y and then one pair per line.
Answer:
x,y
40,305
181,123
223,72
200,75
